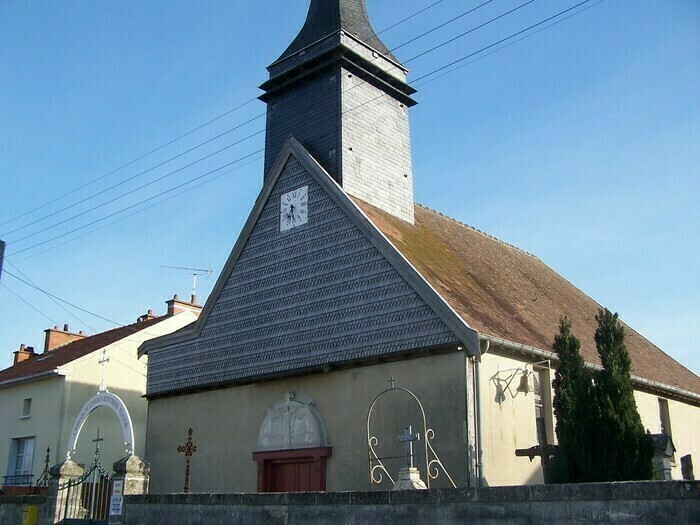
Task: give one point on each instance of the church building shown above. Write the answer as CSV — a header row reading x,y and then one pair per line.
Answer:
x,y
352,332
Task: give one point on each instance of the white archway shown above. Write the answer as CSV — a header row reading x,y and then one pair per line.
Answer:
x,y
114,403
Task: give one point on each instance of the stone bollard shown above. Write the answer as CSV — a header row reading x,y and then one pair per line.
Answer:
x,y
130,477
57,501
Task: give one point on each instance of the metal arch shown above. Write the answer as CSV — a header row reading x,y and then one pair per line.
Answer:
x,y
433,465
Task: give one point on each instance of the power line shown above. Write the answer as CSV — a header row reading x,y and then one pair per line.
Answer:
x,y
62,300
454,19
180,137
30,305
510,44
90,197
145,208
139,187
410,17
56,323
138,203
130,162
462,59
469,31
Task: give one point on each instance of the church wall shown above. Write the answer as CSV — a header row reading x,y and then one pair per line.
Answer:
x,y
43,422
376,149
508,425
305,298
311,113
685,422
226,422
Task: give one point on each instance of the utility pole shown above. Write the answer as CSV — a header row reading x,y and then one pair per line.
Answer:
x,y
2,256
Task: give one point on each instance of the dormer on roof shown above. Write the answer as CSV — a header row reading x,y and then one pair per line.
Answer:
x,y
339,91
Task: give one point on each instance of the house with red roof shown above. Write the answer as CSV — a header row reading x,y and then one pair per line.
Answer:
x,y
42,394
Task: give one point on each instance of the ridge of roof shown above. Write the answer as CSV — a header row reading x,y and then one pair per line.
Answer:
x,y
477,230
73,350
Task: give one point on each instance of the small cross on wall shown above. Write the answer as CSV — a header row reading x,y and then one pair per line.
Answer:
x,y
188,448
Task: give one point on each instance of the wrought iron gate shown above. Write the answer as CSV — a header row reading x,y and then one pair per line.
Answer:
x,y
85,500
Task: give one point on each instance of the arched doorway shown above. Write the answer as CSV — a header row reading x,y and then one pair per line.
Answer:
x,y
292,447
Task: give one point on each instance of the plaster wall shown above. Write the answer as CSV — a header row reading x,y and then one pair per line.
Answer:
x,y
43,422
226,422
125,376
685,422
507,425
57,401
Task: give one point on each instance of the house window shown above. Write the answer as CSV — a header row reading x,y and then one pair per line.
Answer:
x,y
20,466
27,407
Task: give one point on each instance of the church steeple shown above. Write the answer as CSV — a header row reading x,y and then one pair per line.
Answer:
x,y
342,94
325,18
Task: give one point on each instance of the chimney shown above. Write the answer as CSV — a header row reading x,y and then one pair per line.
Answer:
x,y
175,306
146,317
56,337
23,354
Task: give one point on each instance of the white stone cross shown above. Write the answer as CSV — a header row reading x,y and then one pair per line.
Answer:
x,y
103,361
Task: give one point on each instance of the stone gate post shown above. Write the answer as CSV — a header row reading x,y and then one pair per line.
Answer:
x,y
57,500
130,477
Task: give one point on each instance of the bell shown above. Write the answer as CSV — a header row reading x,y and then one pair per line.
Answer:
x,y
524,385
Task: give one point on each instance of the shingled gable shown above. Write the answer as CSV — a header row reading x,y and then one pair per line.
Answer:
x,y
512,297
460,332
47,363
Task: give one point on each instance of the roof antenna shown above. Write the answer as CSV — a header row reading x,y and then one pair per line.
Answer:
x,y
195,272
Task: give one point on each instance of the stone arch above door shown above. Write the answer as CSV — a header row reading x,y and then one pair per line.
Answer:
x,y
292,423
292,447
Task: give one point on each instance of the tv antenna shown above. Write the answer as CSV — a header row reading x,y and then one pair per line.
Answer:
x,y
195,272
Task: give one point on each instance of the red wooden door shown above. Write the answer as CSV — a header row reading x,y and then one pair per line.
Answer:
x,y
292,476
298,470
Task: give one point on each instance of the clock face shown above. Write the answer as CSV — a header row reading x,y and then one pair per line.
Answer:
x,y
294,208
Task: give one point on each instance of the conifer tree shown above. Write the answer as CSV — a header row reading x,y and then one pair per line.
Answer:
x,y
572,463
623,449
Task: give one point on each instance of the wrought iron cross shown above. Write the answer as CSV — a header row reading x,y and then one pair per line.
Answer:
x,y
97,441
103,361
188,448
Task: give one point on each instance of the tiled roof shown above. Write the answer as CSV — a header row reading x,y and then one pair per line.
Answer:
x,y
64,354
326,17
505,292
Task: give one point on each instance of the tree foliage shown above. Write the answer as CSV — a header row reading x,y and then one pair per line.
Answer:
x,y
600,433
625,450
572,399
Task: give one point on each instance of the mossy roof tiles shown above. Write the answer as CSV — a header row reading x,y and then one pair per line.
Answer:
x,y
505,292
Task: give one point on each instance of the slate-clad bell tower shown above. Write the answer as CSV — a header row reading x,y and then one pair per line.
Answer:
x,y
340,92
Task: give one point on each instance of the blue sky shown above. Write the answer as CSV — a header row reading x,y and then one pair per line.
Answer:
x,y
580,144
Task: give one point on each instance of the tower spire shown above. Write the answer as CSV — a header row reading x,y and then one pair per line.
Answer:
x,y
339,91
326,17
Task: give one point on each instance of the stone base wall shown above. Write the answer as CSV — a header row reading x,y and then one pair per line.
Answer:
x,y
12,507
616,503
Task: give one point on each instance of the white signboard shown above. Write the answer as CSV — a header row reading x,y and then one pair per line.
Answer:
x,y
115,506
118,487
